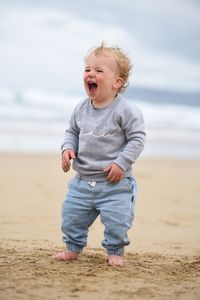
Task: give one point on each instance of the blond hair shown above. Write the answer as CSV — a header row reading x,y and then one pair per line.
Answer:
x,y
122,60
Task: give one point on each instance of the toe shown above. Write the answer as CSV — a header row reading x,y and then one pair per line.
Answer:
x,y
115,260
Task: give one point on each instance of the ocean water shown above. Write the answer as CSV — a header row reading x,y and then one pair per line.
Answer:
x,y
34,121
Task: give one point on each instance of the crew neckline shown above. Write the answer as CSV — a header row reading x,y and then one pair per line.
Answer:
x,y
115,100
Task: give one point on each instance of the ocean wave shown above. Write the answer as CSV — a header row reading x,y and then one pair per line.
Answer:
x,y
36,120
42,105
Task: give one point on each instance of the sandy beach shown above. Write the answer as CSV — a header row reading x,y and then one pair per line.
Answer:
x,y
162,262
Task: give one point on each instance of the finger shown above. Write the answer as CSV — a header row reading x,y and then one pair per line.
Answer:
x,y
112,177
65,164
120,178
116,179
107,169
65,167
113,180
72,154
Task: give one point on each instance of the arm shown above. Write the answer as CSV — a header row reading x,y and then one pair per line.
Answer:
x,y
69,146
132,124
71,136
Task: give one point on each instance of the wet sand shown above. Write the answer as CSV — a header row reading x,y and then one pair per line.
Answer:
x,y
162,262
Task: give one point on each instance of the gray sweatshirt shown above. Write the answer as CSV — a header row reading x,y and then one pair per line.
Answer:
x,y
100,136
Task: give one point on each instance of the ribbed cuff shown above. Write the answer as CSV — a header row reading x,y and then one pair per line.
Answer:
x,y
74,248
122,163
118,251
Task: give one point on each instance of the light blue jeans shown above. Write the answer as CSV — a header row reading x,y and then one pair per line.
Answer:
x,y
114,202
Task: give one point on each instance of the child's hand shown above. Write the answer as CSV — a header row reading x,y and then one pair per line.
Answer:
x,y
67,155
115,173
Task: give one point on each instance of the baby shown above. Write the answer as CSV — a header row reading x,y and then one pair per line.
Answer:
x,y
104,138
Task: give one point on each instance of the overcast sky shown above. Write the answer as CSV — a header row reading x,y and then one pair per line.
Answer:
x,y
43,42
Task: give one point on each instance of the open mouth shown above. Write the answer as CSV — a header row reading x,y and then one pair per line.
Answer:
x,y
92,86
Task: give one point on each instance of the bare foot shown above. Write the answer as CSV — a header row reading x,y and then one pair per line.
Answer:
x,y
115,260
67,255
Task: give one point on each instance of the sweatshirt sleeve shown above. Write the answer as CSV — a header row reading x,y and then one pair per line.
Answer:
x,y
71,135
132,123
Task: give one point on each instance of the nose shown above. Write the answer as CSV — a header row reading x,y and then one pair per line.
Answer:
x,y
90,73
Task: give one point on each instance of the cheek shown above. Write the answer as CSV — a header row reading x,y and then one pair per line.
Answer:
x,y
85,82
101,81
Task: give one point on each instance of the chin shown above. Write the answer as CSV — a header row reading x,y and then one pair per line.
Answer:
x,y
93,98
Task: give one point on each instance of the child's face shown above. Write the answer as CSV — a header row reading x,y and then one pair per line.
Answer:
x,y
101,77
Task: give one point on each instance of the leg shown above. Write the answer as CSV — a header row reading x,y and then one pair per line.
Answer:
x,y
71,255
116,212
77,213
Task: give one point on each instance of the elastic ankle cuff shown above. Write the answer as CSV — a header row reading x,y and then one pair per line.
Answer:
x,y
74,248
118,251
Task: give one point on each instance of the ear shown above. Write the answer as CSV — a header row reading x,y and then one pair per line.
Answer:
x,y
118,83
